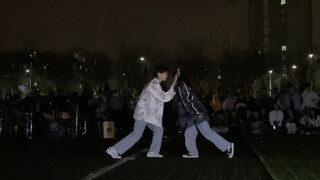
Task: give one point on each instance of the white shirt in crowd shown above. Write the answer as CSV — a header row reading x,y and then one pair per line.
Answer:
x,y
309,99
310,122
276,115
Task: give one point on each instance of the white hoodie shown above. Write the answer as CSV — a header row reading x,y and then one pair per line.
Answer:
x,y
151,102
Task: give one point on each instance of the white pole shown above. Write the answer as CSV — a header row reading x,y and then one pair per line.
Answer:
x,y
270,84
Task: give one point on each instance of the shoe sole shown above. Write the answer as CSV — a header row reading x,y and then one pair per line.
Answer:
x,y
190,157
154,156
232,151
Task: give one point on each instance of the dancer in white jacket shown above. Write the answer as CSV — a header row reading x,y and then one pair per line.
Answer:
x,y
148,112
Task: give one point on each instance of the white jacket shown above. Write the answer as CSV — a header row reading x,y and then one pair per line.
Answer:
x,y
151,102
276,116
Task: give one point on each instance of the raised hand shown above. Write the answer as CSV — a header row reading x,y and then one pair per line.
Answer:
x,y
176,77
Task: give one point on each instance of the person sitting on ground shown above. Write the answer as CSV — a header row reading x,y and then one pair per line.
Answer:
x,y
276,117
228,106
252,110
310,122
215,103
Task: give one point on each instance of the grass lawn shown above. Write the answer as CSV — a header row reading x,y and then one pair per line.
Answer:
x,y
289,157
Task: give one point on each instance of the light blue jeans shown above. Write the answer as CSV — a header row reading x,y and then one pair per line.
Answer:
x,y
191,134
138,129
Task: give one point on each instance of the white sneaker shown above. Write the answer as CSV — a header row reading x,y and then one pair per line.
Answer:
x,y
231,151
188,156
154,155
113,153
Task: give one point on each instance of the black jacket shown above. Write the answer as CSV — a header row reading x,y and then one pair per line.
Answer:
x,y
190,109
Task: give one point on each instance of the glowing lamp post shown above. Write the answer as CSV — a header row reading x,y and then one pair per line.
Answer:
x,y
28,71
311,75
270,81
144,60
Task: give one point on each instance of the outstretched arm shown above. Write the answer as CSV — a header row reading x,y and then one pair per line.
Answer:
x,y
157,91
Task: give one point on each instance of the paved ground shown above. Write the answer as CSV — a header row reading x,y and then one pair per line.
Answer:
x,y
212,164
24,159
266,157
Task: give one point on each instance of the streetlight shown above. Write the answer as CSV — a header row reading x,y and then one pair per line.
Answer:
x,y
28,71
143,59
310,56
311,75
125,77
270,80
294,67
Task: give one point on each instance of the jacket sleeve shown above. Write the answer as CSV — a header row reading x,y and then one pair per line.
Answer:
x,y
157,92
196,104
181,109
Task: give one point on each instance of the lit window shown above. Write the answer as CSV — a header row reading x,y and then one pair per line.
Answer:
x,y
284,48
283,2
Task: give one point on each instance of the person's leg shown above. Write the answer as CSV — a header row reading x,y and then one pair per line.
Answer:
x,y
214,137
156,139
190,136
127,142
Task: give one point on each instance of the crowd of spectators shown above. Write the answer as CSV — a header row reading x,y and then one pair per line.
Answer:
x,y
94,108
287,111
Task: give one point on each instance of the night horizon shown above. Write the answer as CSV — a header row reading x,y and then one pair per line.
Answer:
x,y
213,26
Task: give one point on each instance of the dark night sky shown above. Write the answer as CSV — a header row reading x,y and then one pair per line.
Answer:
x,y
316,23
59,25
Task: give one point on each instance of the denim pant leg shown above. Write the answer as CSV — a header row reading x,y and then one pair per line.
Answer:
x,y
212,136
190,136
156,138
127,142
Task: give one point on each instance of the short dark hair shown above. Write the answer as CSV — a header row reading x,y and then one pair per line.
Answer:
x,y
183,79
160,69
307,85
